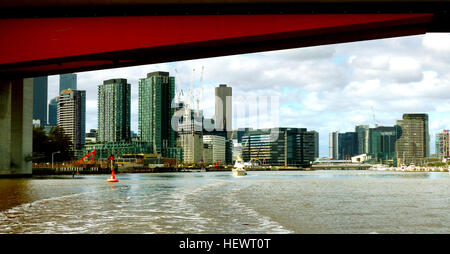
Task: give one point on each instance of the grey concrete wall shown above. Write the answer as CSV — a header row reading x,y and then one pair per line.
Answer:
x,y
16,131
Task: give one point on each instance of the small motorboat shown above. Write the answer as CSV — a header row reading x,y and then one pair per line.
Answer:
x,y
239,167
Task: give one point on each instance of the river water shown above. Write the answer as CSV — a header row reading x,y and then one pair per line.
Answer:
x,y
216,202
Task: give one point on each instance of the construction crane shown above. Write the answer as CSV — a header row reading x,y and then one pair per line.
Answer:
x,y
87,155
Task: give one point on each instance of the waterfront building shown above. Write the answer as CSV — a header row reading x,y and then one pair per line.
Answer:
x,y
239,133
223,108
53,112
190,134
217,144
156,93
72,115
363,137
347,145
382,143
228,151
443,144
334,143
293,147
114,99
67,81
192,145
315,134
208,154
412,145
40,91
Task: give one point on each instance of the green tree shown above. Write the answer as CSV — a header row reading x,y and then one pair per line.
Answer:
x,y
45,145
59,141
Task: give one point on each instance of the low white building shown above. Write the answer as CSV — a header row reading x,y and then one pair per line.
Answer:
x,y
360,158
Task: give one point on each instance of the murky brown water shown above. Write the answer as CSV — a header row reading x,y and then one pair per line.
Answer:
x,y
262,202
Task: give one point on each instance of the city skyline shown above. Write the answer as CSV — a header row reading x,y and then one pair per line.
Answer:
x,y
325,88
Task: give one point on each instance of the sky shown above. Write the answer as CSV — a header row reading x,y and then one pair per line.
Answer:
x,y
323,88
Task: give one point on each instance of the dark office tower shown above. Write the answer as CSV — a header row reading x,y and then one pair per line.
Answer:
x,y
315,136
347,145
114,99
40,88
67,81
413,142
382,143
53,112
72,115
156,93
224,107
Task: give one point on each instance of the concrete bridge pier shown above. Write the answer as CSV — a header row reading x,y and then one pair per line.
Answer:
x,y
16,127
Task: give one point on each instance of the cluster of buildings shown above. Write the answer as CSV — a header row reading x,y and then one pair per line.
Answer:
x,y
168,126
407,142
188,138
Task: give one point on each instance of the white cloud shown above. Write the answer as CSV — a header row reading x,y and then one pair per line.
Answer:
x,y
322,88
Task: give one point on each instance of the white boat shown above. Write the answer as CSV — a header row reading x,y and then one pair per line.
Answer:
x,y
239,167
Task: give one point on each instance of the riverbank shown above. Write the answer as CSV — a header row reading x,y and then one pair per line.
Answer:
x,y
410,169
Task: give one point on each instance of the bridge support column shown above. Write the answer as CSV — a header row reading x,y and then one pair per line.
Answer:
x,y
16,127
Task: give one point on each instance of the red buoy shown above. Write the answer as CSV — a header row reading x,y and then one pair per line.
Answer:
x,y
113,177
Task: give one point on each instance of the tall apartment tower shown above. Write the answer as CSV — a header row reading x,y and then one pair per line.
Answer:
x,y
156,93
40,90
334,142
413,143
443,144
53,112
223,109
67,81
72,115
114,99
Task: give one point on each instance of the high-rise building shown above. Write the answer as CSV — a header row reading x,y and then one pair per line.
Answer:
x,y
40,90
156,93
190,135
114,100
294,147
53,112
443,144
382,143
67,81
412,145
223,107
72,115
347,145
362,133
315,134
217,144
334,143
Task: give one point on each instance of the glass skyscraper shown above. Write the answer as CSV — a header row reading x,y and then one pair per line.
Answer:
x,y
40,89
156,93
53,112
67,81
114,99
413,144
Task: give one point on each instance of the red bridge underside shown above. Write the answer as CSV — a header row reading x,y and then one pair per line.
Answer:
x,y
44,46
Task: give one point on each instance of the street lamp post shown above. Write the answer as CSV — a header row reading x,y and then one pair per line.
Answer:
x,y
53,156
